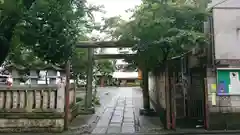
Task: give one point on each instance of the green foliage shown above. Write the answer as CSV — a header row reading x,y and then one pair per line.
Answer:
x,y
105,67
163,29
11,12
46,32
49,29
25,58
79,63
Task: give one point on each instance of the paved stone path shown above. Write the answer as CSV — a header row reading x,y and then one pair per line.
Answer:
x,y
121,115
118,117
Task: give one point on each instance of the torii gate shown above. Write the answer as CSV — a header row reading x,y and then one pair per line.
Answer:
x,y
111,44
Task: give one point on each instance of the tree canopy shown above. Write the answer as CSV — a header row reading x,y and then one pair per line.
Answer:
x,y
79,63
11,12
46,30
162,29
104,67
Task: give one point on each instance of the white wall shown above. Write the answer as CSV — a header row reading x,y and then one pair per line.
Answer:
x,y
227,30
157,88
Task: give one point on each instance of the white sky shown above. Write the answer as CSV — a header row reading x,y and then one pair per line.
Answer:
x,y
113,8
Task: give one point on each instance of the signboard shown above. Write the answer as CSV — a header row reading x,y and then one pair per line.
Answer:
x,y
228,81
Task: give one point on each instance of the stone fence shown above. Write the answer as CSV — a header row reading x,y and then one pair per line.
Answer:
x,y
35,107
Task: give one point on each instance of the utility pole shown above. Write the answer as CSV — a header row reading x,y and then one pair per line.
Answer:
x,y
89,79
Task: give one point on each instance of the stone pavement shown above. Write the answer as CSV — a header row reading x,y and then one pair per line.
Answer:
x,y
121,115
117,118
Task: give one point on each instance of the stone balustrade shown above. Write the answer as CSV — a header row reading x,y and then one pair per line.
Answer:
x,y
30,99
35,107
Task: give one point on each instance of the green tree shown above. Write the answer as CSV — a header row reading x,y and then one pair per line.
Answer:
x,y
47,31
11,12
79,64
51,28
104,67
162,29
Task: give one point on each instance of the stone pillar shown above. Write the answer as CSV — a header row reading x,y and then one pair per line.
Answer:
x,y
16,77
61,97
30,93
89,79
15,81
61,92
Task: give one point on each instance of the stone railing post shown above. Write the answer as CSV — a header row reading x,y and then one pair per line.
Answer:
x,y
61,93
15,77
30,94
16,81
52,75
61,97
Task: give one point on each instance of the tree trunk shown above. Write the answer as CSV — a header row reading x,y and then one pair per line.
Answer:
x,y
146,99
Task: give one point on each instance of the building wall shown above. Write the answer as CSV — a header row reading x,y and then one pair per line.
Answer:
x,y
157,94
224,111
227,30
157,90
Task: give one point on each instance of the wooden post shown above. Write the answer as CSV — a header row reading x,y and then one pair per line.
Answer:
x,y
206,120
102,81
88,98
146,99
167,98
66,120
173,101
